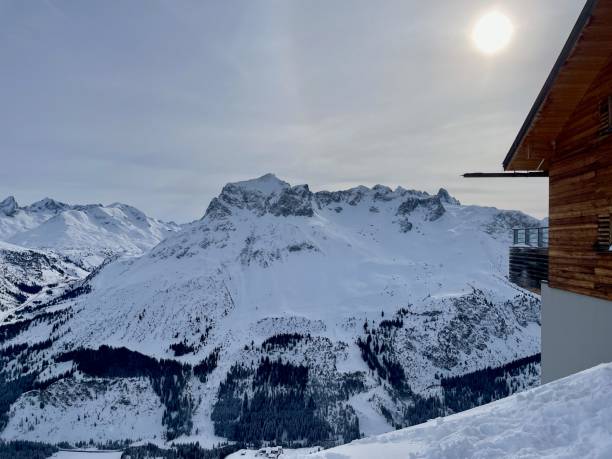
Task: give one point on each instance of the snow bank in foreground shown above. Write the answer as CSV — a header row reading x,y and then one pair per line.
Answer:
x,y
569,418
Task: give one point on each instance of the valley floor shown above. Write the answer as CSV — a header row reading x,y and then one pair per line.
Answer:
x,y
569,418
86,455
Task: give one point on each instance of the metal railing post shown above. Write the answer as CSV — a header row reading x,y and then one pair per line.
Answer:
x,y
540,237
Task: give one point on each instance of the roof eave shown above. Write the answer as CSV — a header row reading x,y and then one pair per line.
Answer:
x,y
566,52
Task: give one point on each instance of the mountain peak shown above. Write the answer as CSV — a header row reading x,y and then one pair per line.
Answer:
x,y
266,184
48,204
131,211
9,206
445,196
266,194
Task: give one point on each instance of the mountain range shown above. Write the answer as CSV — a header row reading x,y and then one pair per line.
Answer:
x,y
282,314
48,245
86,233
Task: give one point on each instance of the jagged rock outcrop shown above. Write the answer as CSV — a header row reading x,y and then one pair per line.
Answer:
x,y
9,206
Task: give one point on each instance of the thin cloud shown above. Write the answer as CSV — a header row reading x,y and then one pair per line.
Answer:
x,y
160,103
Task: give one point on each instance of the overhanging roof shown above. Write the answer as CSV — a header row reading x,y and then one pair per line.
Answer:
x,y
525,174
585,53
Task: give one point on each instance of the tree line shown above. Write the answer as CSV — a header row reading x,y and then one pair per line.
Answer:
x,y
168,378
273,403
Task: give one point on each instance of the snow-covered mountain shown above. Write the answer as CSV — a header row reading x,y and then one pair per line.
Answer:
x,y
282,314
15,219
86,233
33,276
569,418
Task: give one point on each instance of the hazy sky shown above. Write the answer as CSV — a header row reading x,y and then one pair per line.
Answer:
x,y
160,103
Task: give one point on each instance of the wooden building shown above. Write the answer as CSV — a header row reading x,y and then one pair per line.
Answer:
x,y
567,136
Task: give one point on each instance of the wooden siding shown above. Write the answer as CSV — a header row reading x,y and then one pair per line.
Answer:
x,y
580,192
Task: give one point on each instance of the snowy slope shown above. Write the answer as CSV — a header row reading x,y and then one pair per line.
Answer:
x,y
28,276
569,418
94,407
86,233
418,277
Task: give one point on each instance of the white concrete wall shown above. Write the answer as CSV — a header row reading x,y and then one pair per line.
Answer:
x,y
576,333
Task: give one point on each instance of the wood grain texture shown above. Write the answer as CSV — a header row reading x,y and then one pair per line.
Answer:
x,y
580,171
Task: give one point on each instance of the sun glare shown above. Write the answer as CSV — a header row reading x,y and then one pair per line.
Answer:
x,y
492,32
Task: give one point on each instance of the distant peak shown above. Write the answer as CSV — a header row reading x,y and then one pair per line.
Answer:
x,y
381,188
48,204
130,210
446,197
9,206
120,205
265,194
266,184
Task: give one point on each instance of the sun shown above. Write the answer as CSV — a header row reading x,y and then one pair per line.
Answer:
x,y
493,32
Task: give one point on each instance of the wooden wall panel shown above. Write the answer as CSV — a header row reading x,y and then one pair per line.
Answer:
x,y
580,191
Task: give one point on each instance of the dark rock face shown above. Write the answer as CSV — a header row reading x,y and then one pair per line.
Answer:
x,y
477,319
49,205
405,226
382,193
288,201
351,197
431,205
304,246
294,201
254,252
505,219
447,198
9,206
23,273
436,209
29,262
216,209
325,198
241,198
269,195
408,206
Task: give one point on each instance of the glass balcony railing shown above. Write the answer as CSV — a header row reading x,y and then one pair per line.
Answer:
x,y
531,237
